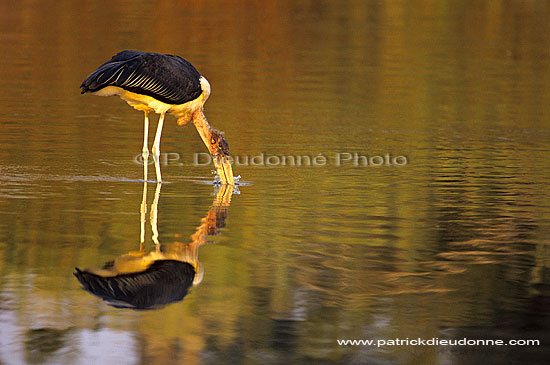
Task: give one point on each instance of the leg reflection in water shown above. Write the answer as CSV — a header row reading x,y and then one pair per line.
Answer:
x,y
151,280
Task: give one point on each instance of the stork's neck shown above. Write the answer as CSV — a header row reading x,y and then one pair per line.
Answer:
x,y
204,129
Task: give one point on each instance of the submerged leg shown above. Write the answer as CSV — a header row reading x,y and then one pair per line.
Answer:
x,y
145,150
156,147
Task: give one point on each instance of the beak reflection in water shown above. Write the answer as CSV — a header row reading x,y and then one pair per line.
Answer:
x,y
151,280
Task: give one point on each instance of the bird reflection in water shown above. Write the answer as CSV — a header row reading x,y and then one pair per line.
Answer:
x,y
151,280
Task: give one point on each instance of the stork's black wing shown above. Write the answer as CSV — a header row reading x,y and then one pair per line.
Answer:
x,y
167,78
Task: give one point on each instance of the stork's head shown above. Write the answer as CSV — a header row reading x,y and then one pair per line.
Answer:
x,y
218,144
219,149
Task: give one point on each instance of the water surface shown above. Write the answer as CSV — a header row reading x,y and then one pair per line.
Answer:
x,y
452,244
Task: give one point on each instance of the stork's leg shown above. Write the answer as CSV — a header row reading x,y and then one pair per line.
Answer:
x,y
156,147
145,155
145,150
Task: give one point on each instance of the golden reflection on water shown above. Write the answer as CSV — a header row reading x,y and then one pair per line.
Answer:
x,y
152,279
454,243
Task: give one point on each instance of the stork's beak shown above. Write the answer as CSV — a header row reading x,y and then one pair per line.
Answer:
x,y
224,169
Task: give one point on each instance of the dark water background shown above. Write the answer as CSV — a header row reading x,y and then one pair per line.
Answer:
x,y
454,244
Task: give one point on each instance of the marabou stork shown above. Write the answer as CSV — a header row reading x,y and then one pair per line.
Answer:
x,y
159,83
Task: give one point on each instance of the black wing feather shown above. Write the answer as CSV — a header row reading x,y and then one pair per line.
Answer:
x,y
167,78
